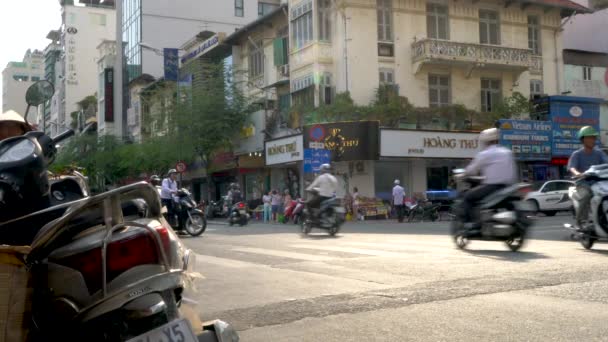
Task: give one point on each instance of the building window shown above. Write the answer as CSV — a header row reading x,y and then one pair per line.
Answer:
x,y
302,25
439,90
491,94
536,88
324,20
489,27
131,37
586,73
387,76
20,78
265,8
35,78
304,97
385,20
534,35
239,9
256,59
326,91
437,21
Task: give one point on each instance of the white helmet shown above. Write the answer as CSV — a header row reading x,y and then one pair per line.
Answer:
x,y
397,182
325,168
488,135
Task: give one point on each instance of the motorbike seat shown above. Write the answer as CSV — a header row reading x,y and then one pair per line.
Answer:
x,y
497,196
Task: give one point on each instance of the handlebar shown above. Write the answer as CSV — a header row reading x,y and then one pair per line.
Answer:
x,y
61,137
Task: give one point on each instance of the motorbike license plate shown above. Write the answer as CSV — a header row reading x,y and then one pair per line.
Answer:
x,y
242,212
176,331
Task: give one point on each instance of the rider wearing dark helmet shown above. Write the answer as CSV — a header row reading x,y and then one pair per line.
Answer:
x,y
580,161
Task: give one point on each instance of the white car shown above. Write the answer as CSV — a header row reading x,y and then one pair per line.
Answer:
x,y
550,197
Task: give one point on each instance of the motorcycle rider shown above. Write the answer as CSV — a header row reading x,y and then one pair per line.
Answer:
x,y
580,161
497,166
12,125
168,190
234,196
327,185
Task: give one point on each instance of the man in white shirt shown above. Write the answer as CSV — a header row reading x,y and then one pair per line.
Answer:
x,y
168,190
398,199
497,166
327,185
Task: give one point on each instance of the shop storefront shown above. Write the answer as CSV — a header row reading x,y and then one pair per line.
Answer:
x,y
352,149
422,160
284,160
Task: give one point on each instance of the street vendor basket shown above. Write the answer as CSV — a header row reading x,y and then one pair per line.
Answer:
x,y
15,294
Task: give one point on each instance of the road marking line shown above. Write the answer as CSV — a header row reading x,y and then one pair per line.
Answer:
x,y
372,252
232,263
283,254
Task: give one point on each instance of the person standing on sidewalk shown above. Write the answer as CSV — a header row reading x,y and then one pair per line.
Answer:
x,y
276,204
398,199
266,199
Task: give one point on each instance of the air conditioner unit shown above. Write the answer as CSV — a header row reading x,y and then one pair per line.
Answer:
x,y
284,70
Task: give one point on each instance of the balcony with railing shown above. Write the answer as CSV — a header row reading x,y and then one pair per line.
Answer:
x,y
433,51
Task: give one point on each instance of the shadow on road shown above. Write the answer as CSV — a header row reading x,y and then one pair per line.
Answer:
x,y
319,236
521,256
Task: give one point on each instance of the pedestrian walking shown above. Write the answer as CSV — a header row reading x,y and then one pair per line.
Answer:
x,y
398,199
356,203
276,205
266,199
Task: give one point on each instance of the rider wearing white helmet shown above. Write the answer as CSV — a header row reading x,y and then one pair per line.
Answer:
x,y
497,166
326,184
169,189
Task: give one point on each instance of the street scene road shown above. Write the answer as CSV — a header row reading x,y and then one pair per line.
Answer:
x,y
384,281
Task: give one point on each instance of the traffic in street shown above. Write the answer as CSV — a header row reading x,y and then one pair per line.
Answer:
x,y
385,281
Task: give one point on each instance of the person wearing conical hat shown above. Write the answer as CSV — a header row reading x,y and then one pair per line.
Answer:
x,y
12,124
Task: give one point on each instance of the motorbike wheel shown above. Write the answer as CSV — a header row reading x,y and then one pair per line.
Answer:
x,y
196,225
334,230
587,242
243,221
459,236
515,243
411,216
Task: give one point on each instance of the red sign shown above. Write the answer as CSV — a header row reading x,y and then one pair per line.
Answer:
x,y
180,167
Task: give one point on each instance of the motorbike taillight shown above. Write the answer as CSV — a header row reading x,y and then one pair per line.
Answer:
x,y
123,253
241,205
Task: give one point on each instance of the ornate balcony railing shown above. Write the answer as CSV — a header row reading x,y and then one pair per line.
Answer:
x,y
442,51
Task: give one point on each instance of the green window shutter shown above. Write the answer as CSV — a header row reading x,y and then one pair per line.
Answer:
x,y
279,58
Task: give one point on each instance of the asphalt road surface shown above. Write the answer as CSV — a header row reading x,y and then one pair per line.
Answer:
x,y
384,281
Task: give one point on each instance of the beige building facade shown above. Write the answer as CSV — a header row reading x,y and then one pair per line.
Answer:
x,y
438,52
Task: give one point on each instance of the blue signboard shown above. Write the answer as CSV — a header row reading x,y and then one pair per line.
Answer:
x,y
529,140
171,63
314,158
568,115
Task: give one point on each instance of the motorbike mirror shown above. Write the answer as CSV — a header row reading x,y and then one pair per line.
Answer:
x,y
37,94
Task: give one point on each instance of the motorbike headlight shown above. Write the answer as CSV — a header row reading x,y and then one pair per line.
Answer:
x,y
19,151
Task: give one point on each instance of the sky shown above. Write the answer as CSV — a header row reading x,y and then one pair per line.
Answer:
x,y
24,25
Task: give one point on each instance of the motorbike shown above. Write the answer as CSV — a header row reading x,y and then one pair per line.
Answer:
x,y
104,268
504,215
218,208
238,214
596,229
293,211
187,215
424,210
330,216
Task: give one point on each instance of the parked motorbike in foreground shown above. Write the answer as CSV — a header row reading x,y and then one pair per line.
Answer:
x,y
424,210
238,214
105,267
596,229
330,216
186,215
503,215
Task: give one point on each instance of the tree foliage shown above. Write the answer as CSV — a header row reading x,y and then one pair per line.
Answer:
x,y
203,120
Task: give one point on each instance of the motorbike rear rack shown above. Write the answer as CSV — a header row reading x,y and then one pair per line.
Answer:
x,y
109,204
